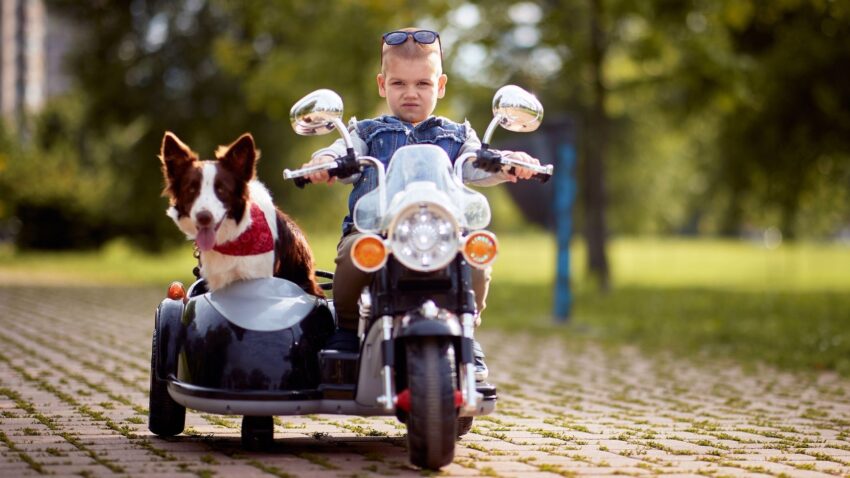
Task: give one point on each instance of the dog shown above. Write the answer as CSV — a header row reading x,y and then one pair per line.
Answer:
x,y
231,217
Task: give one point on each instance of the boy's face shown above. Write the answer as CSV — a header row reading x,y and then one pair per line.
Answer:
x,y
411,87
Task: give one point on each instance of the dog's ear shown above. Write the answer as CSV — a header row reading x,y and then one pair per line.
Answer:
x,y
240,157
175,156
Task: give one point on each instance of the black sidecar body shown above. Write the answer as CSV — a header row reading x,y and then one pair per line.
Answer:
x,y
256,348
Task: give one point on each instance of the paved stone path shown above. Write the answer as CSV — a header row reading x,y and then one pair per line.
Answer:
x,y
73,396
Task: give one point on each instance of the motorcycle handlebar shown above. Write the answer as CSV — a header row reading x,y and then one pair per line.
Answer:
x,y
342,167
492,161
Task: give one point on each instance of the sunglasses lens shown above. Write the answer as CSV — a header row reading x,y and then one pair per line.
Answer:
x,y
395,38
424,36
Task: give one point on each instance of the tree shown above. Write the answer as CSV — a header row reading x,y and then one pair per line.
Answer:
x,y
790,141
209,71
565,44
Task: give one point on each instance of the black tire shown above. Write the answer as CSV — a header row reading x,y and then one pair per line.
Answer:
x,y
257,433
464,424
432,422
166,417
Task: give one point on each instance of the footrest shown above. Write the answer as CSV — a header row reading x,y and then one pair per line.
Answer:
x,y
488,390
338,368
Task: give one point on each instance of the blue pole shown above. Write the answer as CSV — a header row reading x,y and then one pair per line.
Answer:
x,y
565,192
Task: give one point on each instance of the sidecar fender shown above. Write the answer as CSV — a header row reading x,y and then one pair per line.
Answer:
x,y
168,334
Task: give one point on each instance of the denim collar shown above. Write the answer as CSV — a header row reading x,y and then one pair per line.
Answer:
x,y
429,122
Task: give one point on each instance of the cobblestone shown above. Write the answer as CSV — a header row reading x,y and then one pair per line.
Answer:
x,y
73,402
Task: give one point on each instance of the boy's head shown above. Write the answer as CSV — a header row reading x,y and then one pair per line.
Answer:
x,y
411,77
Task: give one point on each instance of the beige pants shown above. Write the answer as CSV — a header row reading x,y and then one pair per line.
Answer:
x,y
349,281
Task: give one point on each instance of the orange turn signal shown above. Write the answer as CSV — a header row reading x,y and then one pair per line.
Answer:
x,y
176,291
480,249
369,253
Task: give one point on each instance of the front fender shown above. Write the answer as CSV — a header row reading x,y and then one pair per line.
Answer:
x,y
421,327
168,335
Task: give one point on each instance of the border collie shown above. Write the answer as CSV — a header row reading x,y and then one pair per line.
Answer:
x,y
231,217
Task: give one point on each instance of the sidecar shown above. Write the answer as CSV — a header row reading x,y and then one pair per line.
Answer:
x,y
252,349
256,348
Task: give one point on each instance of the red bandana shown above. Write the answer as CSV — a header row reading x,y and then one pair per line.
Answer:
x,y
257,239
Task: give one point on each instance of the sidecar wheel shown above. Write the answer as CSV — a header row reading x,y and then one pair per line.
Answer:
x,y
432,421
165,416
257,433
464,424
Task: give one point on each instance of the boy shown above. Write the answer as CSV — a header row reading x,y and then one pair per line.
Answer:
x,y
412,80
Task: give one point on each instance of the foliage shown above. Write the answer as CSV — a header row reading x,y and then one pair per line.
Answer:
x,y
725,115
210,71
787,147
58,182
718,116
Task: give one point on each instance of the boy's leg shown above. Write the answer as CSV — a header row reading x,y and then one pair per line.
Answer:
x,y
348,282
480,285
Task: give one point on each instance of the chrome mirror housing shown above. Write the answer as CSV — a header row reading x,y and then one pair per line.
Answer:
x,y
518,109
515,110
320,112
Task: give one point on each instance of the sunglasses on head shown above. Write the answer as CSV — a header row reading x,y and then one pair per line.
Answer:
x,y
426,37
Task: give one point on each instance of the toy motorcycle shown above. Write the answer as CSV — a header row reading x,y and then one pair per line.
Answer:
x,y
256,348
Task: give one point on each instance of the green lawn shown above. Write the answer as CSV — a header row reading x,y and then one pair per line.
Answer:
x,y
788,306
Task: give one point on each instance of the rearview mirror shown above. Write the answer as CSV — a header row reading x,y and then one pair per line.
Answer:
x,y
319,112
515,110
518,109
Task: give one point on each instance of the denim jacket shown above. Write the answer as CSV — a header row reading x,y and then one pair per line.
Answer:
x,y
385,134
382,136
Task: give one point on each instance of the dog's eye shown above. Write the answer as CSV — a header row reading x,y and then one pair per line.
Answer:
x,y
219,189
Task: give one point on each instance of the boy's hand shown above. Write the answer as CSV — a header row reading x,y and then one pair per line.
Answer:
x,y
519,172
320,176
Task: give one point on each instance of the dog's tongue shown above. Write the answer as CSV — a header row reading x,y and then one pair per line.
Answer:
x,y
205,239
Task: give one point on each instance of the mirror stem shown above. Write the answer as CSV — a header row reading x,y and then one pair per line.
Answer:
x,y
343,131
491,128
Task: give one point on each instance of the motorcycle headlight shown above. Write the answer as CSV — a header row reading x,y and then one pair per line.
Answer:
x,y
424,237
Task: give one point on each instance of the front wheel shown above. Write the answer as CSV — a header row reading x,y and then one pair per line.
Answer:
x,y
432,421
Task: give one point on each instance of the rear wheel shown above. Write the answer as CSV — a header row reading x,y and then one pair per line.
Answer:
x,y
257,433
432,421
165,416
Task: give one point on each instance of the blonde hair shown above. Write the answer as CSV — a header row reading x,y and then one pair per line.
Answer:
x,y
412,50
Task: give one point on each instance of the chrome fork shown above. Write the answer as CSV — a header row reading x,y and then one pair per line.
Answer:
x,y
388,398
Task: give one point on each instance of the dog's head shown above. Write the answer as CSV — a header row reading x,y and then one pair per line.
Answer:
x,y
205,194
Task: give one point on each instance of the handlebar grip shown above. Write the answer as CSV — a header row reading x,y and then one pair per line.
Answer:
x,y
488,160
301,182
542,177
539,177
346,165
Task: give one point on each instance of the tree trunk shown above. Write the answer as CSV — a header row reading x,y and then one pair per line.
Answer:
x,y
596,124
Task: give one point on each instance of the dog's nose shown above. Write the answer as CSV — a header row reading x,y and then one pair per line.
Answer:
x,y
204,218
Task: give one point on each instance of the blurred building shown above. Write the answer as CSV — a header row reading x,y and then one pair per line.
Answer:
x,y
31,55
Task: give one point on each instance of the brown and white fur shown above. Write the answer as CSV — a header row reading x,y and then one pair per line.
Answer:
x,y
210,201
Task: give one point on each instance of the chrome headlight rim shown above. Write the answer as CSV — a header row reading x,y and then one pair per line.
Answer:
x,y
396,244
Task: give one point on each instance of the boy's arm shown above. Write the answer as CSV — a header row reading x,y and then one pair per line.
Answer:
x,y
338,149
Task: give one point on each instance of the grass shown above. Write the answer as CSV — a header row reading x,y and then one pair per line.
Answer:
x,y
788,306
